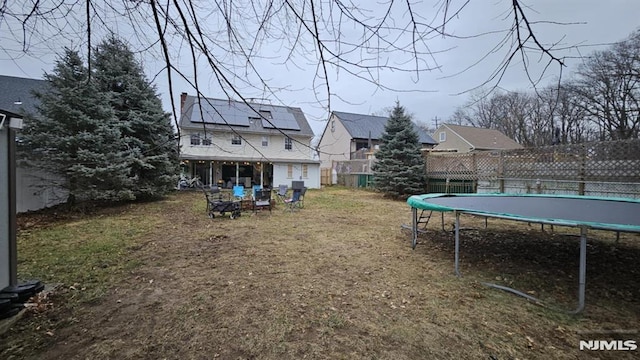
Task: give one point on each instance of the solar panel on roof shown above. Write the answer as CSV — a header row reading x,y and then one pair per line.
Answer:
x,y
238,114
220,112
281,119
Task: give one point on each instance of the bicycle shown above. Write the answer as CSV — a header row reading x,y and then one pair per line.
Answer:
x,y
193,183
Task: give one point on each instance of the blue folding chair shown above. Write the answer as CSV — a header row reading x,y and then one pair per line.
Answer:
x,y
238,192
254,191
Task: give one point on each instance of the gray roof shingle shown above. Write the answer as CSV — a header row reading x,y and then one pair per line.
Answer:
x,y
13,89
359,126
482,138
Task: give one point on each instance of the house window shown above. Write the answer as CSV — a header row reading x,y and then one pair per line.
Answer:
x,y
362,145
287,143
236,140
265,141
305,171
195,139
442,136
290,171
206,141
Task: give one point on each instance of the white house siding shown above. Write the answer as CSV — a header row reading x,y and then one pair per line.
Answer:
x,y
452,142
251,150
280,174
251,147
334,145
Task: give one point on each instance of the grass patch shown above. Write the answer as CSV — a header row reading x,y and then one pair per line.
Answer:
x,y
87,255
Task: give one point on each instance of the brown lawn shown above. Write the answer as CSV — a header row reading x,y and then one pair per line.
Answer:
x,y
335,280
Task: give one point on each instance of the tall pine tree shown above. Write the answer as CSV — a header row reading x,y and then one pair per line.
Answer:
x,y
400,169
146,128
73,140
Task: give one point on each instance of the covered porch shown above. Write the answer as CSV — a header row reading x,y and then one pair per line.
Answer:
x,y
226,174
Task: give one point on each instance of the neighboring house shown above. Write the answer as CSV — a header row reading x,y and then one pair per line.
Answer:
x,y
462,139
16,94
228,142
34,190
349,136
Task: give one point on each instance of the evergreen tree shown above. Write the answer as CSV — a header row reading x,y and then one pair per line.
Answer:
x,y
145,127
73,138
400,169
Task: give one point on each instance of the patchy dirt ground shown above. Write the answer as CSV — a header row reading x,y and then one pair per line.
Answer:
x,y
339,280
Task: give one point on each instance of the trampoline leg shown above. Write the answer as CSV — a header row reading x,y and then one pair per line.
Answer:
x,y
582,271
457,244
414,227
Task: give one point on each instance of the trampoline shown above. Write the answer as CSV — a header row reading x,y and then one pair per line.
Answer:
x,y
583,212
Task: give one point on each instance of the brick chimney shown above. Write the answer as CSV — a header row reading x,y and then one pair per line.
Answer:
x,y
183,97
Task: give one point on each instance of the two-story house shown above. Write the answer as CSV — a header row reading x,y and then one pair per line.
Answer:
x,y
346,135
227,142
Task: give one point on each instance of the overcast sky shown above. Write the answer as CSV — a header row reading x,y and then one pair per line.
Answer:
x,y
575,27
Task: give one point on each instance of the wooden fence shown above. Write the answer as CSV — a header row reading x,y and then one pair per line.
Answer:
x,y
598,169
602,169
325,176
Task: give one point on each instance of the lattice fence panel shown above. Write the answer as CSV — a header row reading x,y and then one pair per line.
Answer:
x,y
617,161
452,166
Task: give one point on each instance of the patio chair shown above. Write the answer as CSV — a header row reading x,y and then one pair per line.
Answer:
x,y
262,200
238,192
294,201
282,193
254,191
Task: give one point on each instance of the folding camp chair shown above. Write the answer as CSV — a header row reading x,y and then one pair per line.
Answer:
x,y
238,192
282,193
254,191
294,201
262,199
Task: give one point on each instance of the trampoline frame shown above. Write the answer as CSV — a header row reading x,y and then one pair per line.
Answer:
x,y
415,200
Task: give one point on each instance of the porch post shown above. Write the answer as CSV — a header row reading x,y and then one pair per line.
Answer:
x,y
261,175
211,180
237,172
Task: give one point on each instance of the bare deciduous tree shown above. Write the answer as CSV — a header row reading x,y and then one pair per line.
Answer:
x,y
231,43
608,89
549,116
602,102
